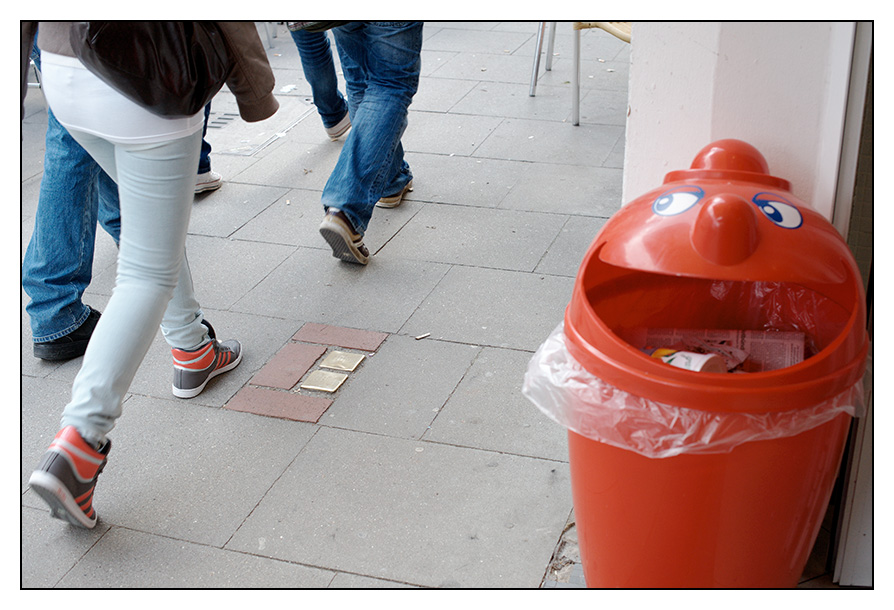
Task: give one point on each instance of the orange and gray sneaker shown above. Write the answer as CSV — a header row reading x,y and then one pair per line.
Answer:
x,y
66,477
194,368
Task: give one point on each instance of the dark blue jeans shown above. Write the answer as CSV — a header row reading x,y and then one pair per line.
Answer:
x,y
58,265
381,64
75,193
319,70
205,154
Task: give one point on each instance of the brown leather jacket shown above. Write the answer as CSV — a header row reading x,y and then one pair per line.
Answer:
x,y
251,81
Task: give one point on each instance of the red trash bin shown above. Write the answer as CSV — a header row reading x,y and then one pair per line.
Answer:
x,y
692,479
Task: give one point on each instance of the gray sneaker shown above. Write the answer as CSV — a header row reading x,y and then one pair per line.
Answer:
x,y
193,369
345,242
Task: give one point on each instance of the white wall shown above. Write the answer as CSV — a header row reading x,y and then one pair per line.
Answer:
x,y
782,87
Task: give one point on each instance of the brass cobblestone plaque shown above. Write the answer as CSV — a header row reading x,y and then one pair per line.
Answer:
x,y
324,381
342,361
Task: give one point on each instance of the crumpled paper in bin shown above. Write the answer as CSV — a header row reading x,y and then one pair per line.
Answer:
x,y
572,396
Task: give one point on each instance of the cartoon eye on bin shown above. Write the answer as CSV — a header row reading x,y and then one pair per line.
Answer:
x,y
678,200
778,210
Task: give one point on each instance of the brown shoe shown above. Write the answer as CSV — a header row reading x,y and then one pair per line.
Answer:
x,y
345,242
392,201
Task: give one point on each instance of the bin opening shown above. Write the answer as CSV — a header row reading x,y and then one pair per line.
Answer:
x,y
641,300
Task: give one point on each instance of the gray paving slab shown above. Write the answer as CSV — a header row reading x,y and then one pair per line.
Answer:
x,y
312,285
421,513
513,100
223,212
293,163
472,41
492,307
191,472
400,390
447,134
463,180
501,67
566,253
550,142
224,270
441,94
488,411
603,106
242,138
50,548
459,235
128,559
566,189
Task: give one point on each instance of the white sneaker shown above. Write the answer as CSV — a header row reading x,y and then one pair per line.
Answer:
x,y
209,181
339,129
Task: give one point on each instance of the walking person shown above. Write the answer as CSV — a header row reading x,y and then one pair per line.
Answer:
x,y
57,268
381,64
319,71
153,160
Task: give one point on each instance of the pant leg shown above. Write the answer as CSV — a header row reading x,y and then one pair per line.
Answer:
x,y
386,56
58,263
156,184
109,213
319,70
205,154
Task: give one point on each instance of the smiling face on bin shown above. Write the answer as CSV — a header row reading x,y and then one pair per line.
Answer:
x,y
726,218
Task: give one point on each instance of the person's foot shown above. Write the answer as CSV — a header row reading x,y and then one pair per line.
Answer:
x,y
339,129
66,477
72,345
193,369
208,181
345,242
392,201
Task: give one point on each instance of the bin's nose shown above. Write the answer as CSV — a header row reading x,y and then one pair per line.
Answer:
x,y
726,218
725,232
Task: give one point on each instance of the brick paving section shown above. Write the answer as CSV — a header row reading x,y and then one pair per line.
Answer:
x,y
270,392
288,365
276,403
350,338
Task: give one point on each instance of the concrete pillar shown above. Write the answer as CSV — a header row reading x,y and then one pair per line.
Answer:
x,y
781,87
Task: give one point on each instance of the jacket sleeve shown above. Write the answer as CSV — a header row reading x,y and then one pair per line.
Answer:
x,y
252,78
29,31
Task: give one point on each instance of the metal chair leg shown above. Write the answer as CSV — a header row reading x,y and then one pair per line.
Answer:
x,y
551,46
575,81
540,30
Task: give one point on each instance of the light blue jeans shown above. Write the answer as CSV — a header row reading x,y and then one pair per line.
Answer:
x,y
381,64
319,70
156,184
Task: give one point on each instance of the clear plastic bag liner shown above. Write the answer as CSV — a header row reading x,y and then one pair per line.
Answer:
x,y
572,396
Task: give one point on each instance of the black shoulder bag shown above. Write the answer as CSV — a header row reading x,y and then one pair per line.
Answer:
x,y
171,68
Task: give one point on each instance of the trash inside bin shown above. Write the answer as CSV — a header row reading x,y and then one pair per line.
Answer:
x,y
688,478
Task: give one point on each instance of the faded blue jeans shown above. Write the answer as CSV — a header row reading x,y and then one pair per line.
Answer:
x,y
319,70
381,64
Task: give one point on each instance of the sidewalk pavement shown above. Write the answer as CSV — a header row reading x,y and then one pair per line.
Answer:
x,y
427,467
